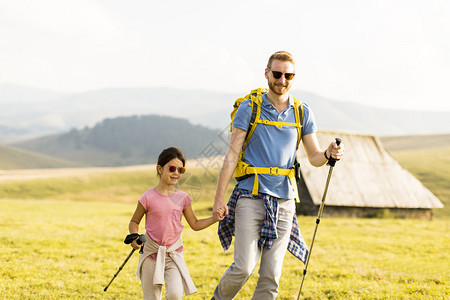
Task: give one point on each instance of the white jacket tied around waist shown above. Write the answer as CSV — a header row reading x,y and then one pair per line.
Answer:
x,y
151,247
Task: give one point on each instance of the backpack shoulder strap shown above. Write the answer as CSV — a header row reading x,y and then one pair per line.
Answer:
x,y
255,103
299,115
254,96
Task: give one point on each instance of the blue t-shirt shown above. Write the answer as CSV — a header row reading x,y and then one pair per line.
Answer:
x,y
270,146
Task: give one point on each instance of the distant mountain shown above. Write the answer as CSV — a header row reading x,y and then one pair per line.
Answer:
x,y
13,93
13,158
48,115
128,141
29,113
358,118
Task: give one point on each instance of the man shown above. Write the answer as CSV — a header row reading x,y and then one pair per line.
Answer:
x,y
246,215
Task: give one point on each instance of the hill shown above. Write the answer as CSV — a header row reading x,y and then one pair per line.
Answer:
x,y
427,157
415,142
13,158
127,141
31,113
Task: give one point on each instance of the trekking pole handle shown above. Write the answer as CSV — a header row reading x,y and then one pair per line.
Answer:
x,y
140,240
332,161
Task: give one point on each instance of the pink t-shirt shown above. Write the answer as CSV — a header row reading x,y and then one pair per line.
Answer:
x,y
163,215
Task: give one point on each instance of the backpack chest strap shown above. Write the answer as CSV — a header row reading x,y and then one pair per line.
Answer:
x,y
278,124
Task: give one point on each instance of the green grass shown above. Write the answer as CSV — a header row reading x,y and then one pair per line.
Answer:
x,y
109,187
62,238
431,167
119,186
415,142
71,250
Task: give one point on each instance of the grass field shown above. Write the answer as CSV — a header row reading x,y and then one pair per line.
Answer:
x,y
62,238
70,250
432,168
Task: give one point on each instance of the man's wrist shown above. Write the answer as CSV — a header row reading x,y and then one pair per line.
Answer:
x,y
325,154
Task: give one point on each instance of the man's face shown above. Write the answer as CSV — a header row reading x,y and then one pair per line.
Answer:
x,y
279,86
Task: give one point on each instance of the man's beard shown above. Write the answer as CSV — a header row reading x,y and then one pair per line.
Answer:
x,y
273,88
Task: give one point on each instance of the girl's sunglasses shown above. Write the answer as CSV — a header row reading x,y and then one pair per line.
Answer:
x,y
181,170
277,74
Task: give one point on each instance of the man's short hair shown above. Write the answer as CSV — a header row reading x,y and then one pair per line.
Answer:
x,y
281,55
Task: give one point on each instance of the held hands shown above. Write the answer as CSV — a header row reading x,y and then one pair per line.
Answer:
x,y
220,210
219,214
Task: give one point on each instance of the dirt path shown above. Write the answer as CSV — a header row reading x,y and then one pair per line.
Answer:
x,y
27,174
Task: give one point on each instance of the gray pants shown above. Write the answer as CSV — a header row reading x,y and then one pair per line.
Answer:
x,y
249,219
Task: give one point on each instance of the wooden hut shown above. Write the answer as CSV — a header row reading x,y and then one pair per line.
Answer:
x,y
367,182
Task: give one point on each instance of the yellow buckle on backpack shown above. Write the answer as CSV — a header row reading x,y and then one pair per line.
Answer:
x,y
273,170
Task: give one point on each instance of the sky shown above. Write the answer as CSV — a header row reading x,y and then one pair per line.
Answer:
x,y
384,53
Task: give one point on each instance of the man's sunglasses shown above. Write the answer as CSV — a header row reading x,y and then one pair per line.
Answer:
x,y
277,74
181,170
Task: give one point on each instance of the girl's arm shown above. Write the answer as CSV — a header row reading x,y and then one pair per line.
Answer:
x,y
195,223
134,222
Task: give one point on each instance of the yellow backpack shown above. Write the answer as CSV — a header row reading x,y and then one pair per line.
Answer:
x,y
244,170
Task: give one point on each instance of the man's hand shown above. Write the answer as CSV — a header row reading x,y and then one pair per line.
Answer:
x,y
336,151
219,215
220,210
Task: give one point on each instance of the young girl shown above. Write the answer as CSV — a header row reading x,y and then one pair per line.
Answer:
x,y
162,258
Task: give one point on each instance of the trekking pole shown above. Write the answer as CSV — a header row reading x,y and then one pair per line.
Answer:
x,y
140,240
331,163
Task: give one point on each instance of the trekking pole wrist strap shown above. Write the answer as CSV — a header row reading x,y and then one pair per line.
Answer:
x,y
326,156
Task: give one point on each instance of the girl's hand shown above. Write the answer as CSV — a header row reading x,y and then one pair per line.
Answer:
x,y
220,214
135,245
220,210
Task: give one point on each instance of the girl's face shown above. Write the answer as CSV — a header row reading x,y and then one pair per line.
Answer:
x,y
171,172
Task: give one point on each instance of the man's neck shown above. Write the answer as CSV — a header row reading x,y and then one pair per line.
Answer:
x,y
278,101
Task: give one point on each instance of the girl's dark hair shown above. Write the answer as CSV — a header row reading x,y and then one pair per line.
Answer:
x,y
170,153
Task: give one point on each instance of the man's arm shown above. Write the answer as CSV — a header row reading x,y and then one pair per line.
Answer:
x,y
315,153
229,164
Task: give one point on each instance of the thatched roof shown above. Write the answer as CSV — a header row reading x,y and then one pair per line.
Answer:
x,y
367,176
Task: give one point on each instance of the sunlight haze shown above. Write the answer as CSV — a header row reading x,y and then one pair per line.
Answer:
x,y
392,54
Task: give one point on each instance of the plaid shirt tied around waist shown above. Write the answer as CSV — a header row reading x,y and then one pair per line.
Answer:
x,y
268,233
